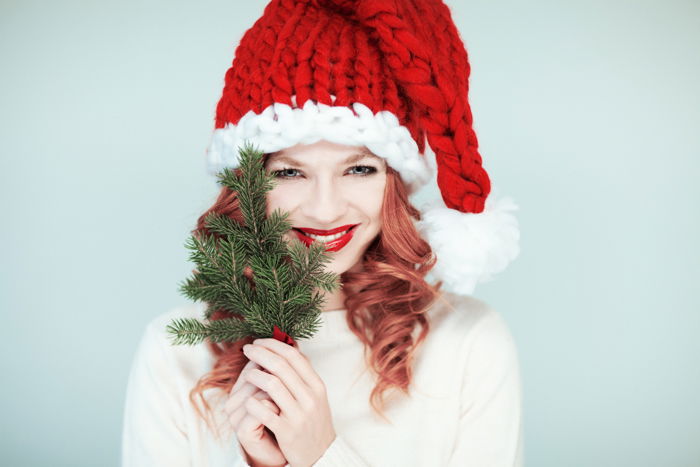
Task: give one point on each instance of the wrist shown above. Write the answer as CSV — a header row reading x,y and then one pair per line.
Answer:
x,y
257,464
253,463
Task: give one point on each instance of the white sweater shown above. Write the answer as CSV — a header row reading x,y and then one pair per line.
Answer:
x,y
465,406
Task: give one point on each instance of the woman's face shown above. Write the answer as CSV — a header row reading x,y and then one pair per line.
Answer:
x,y
327,186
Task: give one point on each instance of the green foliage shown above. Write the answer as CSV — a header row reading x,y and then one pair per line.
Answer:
x,y
287,278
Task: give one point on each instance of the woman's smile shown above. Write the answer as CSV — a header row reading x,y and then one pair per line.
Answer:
x,y
333,242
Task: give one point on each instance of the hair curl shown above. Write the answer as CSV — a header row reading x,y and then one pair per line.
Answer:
x,y
386,300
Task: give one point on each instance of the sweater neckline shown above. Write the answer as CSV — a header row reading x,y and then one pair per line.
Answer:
x,y
333,326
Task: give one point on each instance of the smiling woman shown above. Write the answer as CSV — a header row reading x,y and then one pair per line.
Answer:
x,y
385,253
344,98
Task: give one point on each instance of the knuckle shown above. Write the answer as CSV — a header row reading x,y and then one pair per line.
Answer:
x,y
261,379
242,377
249,404
274,363
308,404
250,364
274,384
236,398
298,360
320,388
266,380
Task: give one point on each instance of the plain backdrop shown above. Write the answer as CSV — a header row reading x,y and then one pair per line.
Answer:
x,y
587,114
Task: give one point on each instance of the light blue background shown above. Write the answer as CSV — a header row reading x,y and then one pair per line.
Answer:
x,y
587,114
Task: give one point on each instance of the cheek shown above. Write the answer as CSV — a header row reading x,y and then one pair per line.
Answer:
x,y
371,198
279,198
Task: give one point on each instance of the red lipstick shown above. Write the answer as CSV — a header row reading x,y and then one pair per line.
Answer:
x,y
335,245
342,228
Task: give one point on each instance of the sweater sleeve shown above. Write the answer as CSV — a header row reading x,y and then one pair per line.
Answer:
x,y
154,431
490,425
340,454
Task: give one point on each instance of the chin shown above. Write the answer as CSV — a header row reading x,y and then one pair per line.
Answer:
x,y
339,262
354,266
337,268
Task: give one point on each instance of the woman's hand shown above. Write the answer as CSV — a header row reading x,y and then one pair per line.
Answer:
x,y
257,442
304,427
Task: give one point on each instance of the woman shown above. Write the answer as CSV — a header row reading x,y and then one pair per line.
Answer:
x,y
342,96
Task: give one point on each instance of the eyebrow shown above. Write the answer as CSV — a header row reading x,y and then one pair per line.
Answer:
x,y
349,160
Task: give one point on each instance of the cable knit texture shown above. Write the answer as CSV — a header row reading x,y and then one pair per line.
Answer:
x,y
404,58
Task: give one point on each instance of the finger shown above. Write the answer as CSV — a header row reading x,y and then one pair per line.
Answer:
x,y
241,389
239,382
276,389
270,405
254,432
236,414
262,395
237,398
295,359
249,425
282,382
266,416
236,417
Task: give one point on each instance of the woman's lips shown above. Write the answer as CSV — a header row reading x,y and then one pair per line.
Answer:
x,y
334,245
342,228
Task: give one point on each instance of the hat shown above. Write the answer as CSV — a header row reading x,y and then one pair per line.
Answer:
x,y
388,75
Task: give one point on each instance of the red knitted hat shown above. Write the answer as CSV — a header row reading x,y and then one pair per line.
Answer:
x,y
387,75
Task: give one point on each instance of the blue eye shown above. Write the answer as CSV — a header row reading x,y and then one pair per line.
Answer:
x,y
289,172
370,169
278,173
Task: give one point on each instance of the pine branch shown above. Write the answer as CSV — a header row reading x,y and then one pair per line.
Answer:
x,y
191,331
287,277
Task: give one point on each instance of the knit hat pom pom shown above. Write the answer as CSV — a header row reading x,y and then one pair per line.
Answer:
x,y
470,248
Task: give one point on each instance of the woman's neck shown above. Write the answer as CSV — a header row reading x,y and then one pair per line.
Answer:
x,y
334,300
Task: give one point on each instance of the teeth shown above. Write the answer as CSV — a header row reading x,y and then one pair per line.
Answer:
x,y
327,238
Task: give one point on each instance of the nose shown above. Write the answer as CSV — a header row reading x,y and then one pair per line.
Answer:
x,y
325,203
